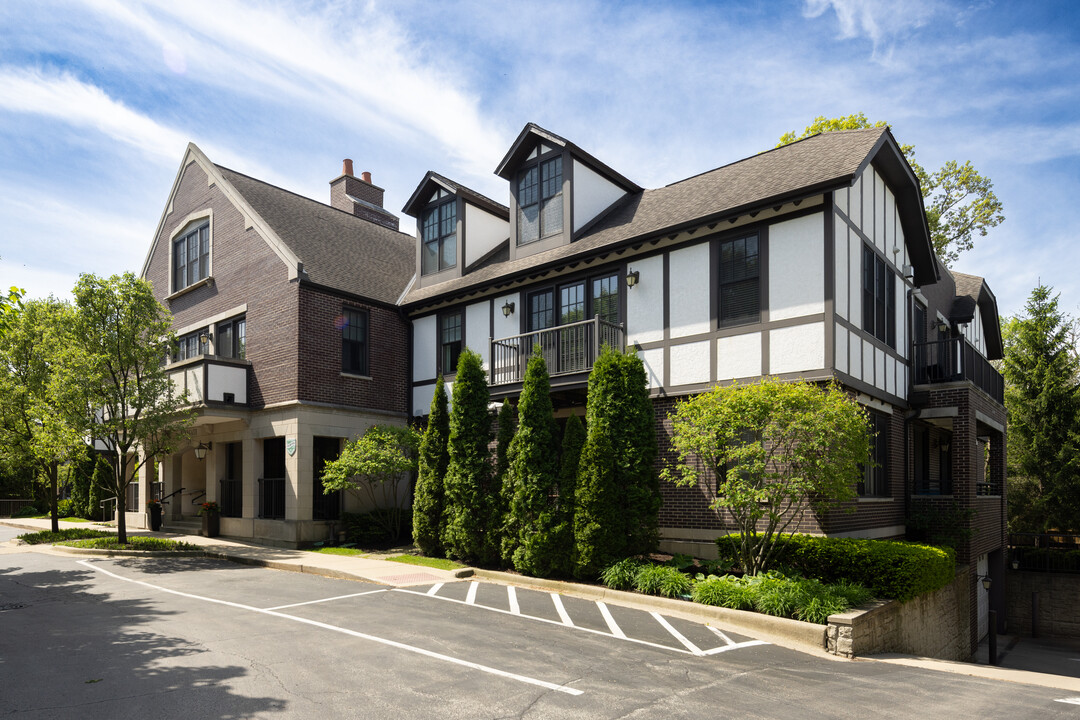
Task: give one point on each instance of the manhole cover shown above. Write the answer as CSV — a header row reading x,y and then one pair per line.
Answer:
x,y
11,606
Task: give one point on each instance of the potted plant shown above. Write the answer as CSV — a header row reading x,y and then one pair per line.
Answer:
x,y
154,508
211,518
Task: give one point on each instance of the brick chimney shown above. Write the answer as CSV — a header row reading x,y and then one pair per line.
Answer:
x,y
358,196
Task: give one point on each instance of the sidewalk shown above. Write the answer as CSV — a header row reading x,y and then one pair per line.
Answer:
x,y
347,567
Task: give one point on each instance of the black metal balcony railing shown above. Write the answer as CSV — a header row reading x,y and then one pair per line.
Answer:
x,y
272,498
1045,552
955,359
567,349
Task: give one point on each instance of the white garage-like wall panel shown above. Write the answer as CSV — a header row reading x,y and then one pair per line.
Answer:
x,y
840,270
690,363
421,399
483,232
424,339
645,302
738,356
653,360
841,353
797,267
478,329
800,348
689,293
592,194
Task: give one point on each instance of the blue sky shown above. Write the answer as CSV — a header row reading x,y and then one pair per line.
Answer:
x,y
98,99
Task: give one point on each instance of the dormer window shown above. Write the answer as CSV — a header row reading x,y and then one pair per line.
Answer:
x,y
439,225
191,257
540,201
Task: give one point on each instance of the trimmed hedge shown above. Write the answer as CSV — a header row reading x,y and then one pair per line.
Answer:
x,y
891,569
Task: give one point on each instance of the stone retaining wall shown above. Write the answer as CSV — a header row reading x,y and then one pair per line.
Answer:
x,y
1059,611
931,625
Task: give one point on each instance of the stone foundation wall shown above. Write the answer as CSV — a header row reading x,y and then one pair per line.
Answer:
x,y
931,625
1059,611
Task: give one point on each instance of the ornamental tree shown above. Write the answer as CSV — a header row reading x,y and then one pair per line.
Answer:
x,y
507,426
429,497
773,450
120,336
533,476
378,467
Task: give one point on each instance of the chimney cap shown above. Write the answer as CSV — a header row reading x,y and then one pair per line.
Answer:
x,y
346,167
366,177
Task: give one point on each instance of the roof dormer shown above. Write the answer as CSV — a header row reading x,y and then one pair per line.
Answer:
x,y
556,190
455,228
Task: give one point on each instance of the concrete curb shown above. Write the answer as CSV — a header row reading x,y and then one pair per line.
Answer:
x,y
793,634
128,553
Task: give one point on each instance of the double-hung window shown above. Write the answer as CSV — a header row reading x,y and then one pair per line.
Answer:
x,y
879,298
354,342
439,228
230,339
191,257
875,473
740,281
450,341
190,345
540,201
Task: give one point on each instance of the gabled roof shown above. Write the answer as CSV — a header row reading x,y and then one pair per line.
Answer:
x,y
972,293
433,180
533,133
816,164
338,249
317,243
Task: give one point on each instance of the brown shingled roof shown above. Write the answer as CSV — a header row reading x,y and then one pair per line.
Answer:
x,y
338,249
819,162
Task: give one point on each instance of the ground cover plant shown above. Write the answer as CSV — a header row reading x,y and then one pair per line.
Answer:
x,y
135,542
46,537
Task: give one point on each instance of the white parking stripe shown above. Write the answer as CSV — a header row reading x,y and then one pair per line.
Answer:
x,y
722,636
435,589
511,595
676,634
735,646
1069,701
612,625
352,633
561,610
470,599
312,602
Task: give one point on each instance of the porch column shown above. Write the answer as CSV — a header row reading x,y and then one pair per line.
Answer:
x,y
250,470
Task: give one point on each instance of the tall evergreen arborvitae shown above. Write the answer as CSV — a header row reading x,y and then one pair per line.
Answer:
x,y
620,417
572,443
1043,400
507,422
471,531
429,498
533,475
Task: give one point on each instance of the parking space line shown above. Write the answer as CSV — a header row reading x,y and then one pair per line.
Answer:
x,y
561,610
676,634
345,631
734,646
549,622
470,599
612,625
721,635
511,595
435,589
312,602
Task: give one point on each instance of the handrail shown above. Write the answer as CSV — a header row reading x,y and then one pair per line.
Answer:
x,y
953,359
165,499
570,348
102,504
195,500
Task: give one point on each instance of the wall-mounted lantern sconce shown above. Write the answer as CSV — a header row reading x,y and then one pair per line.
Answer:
x,y
986,582
508,308
1015,564
206,336
942,327
945,446
632,278
200,450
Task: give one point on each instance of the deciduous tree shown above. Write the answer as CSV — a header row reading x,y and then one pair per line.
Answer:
x,y
774,450
959,201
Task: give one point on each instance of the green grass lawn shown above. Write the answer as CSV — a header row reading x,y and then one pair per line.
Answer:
x,y
63,519
135,542
438,563
48,536
357,552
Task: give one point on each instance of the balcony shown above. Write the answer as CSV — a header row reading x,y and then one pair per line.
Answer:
x,y
567,349
211,380
953,360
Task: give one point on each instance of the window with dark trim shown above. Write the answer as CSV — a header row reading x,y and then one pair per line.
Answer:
x,y
230,338
740,281
324,506
875,481
439,234
354,342
232,485
450,341
272,483
191,257
190,345
540,201
879,298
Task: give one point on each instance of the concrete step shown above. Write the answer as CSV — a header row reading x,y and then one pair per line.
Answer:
x,y
188,527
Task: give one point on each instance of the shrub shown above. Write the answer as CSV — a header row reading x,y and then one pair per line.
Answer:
x,y
889,569
26,511
621,575
65,508
429,496
661,580
724,591
48,536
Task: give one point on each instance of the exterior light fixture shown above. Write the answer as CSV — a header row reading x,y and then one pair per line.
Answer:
x,y
206,336
945,446
508,308
632,278
200,450
1015,564
986,582
942,327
